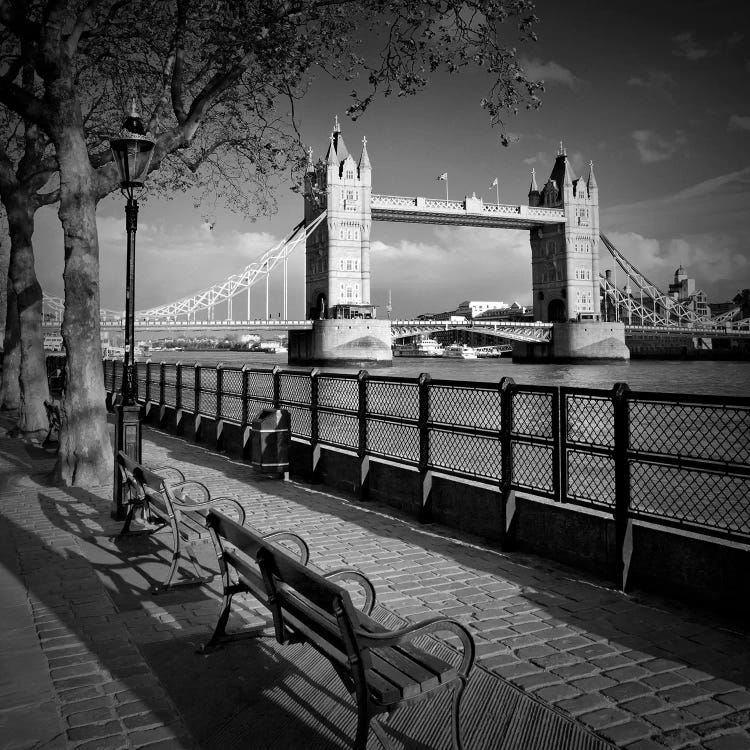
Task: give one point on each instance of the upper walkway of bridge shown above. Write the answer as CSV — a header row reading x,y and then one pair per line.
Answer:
x,y
471,211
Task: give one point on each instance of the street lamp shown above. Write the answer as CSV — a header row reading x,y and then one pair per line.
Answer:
x,y
132,151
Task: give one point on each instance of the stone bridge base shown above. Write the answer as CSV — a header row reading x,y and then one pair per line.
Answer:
x,y
347,342
577,342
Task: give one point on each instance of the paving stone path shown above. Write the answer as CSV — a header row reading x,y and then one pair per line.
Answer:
x,y
642,672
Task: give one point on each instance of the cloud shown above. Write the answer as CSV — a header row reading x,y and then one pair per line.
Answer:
x,y
687,47
550,72
739,122
653,147
715,261
657,81
454,264
701,226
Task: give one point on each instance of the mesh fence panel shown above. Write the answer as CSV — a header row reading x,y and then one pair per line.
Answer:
x,y
141,382
207,402
393,399
338,429
231,408
338,393
532,413
533,467
170,382
231,381
260,385
709,432
393,440
590,419
301,421
473,455
705,498
295,389
591,478
470,406
187,388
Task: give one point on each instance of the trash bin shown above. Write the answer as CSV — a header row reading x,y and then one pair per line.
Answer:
x,y
270,434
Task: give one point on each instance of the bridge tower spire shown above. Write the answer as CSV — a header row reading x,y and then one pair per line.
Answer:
x,y
565,257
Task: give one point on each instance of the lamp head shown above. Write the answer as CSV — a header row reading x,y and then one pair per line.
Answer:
x,y
132,150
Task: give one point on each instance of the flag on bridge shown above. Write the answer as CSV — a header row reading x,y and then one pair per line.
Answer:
x,y
494,183
443,176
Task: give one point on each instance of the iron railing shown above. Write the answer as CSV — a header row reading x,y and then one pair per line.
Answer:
x,y
672,460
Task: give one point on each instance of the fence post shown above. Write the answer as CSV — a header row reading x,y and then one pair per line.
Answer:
x,y
425,474
623,523
245,418
162,386
276,372
363,489
197,407
507,493
314,429
178,399
147,395
218,421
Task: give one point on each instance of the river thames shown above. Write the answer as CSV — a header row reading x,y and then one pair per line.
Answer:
x,y
723,378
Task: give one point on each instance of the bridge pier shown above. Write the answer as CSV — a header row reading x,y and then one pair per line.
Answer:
x,y
354,342
583,341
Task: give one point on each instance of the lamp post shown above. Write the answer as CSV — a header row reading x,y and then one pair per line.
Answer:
x,y
132,151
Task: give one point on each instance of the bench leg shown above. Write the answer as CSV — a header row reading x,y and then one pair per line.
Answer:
x,y
187,580
220,630
458,692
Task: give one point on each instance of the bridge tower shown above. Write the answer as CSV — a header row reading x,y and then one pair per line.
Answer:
x,y
565,257
337,264
338,252
565,270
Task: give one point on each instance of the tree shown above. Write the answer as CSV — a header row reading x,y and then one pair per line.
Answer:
x,y
218,80
25,168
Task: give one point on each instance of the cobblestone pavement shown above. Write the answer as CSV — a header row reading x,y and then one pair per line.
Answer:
x,y
641,671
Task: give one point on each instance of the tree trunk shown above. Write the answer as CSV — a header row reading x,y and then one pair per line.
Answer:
x,y
85,454
10,390
34,389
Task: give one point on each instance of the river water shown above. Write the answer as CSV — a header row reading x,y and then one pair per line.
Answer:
x,y
723,378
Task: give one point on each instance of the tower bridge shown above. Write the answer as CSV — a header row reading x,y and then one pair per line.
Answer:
x,y
340,324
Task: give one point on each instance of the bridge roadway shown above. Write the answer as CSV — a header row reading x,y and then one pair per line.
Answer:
x,y
533,332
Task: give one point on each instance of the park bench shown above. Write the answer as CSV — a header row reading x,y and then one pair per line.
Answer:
x,y
382,669
167,500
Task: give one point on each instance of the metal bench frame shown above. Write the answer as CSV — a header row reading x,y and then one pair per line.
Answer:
x,y
167,500
382,669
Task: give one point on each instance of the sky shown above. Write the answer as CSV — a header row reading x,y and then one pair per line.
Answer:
x,y
656,95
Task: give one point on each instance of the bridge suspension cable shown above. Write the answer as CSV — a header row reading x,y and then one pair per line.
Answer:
x,y
223,292
652,307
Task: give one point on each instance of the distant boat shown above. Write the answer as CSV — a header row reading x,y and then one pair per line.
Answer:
x,y
459,351
501,350
420,348
269,347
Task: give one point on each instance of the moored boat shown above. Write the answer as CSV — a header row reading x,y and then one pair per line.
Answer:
x,y
459,351
419,348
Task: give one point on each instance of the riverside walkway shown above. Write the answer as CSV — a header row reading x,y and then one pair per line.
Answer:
x,y
90,659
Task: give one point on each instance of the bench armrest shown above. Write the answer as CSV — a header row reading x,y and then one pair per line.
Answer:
x,y
170,474
190,493
289,536
345,574
432,625
183,498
